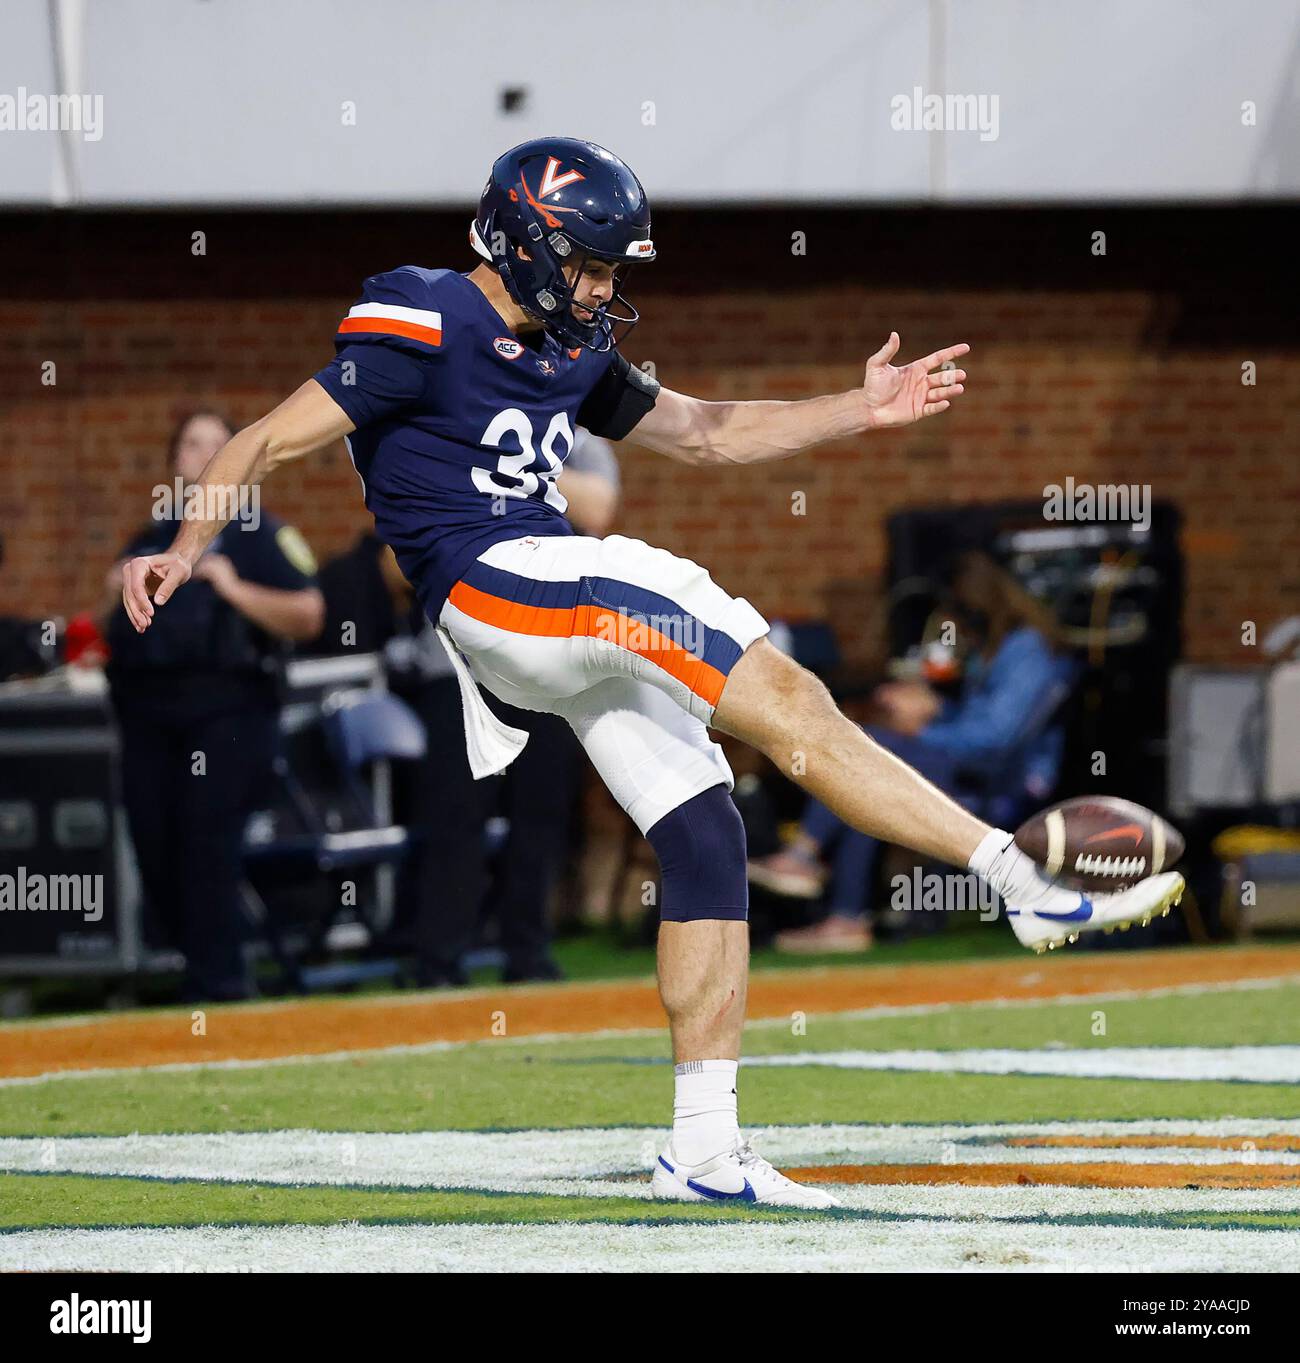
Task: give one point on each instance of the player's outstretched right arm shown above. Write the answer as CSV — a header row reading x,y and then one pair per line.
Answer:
x,y
752,432
306,421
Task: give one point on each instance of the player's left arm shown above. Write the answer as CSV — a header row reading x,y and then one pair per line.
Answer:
x,y
698,432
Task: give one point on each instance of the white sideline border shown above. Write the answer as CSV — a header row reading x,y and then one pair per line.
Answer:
x,y
616,1161
776,1246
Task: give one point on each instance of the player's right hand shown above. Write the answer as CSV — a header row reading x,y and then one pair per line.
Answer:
x,y
156,575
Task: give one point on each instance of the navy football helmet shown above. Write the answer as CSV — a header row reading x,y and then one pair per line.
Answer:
x,y
564,201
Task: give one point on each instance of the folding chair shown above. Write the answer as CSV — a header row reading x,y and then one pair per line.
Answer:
x,y
339,833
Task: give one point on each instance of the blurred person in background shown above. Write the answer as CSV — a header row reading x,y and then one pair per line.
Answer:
x,y
370,607
591,484
452,882
978,737
197,702
452,875
542,783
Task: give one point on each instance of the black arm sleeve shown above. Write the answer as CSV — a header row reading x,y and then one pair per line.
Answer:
x,y
622,396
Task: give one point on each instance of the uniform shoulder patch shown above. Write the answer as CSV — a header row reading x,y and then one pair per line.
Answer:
x,y
289,541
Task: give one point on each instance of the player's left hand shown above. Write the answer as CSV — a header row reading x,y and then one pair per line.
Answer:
x,y
899,396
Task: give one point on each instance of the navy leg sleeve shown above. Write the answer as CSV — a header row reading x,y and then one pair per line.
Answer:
x,y
701,851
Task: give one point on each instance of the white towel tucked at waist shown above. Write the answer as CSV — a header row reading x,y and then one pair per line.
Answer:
x,y
490,743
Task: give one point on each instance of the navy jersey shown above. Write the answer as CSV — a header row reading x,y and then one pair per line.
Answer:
x,y
462,427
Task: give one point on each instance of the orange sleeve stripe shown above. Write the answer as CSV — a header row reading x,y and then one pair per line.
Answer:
x,y
392,327
594,622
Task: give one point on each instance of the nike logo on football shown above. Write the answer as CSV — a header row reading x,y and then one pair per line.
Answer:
x,y
1128,830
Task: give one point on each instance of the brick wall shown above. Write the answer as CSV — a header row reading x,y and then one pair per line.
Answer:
x,y
1128,375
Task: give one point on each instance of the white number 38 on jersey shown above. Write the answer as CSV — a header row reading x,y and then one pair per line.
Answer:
x,y
518,477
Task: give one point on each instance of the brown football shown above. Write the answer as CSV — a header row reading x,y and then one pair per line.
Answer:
x,y
1100,843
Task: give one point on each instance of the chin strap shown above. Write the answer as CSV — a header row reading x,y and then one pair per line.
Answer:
x,y
479,245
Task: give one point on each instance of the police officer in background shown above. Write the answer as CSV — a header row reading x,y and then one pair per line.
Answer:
x,y
197,700
443,885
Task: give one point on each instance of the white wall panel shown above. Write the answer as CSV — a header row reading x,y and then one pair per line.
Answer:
x,y
29,161
241,101
1138,100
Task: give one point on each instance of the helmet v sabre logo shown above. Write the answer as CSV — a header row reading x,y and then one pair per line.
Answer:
x,y
552,182
548,214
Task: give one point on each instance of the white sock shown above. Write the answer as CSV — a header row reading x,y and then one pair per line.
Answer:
x,y
1017,877
704,1109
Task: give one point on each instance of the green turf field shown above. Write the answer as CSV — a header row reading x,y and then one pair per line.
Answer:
x,y
624,1082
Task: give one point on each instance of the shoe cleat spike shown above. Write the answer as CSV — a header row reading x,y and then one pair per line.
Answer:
x,y
1072,938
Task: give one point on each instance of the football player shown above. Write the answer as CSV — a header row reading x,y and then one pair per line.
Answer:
x,y
458,395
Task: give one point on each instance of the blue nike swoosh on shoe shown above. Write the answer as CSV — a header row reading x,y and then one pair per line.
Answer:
x,y
1078,915
746,1194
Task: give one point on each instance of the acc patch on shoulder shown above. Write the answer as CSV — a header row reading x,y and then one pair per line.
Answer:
x,y
296,549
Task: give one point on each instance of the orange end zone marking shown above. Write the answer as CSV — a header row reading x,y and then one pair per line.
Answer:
x,y
1099,1175
267,1031
1183,1142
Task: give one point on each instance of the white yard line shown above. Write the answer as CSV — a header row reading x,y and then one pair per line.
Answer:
x,y
1111,996
828,1245
1244,1064
595,1161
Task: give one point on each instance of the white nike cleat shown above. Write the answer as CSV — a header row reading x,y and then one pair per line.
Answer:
x,y
1060,915
739,1175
